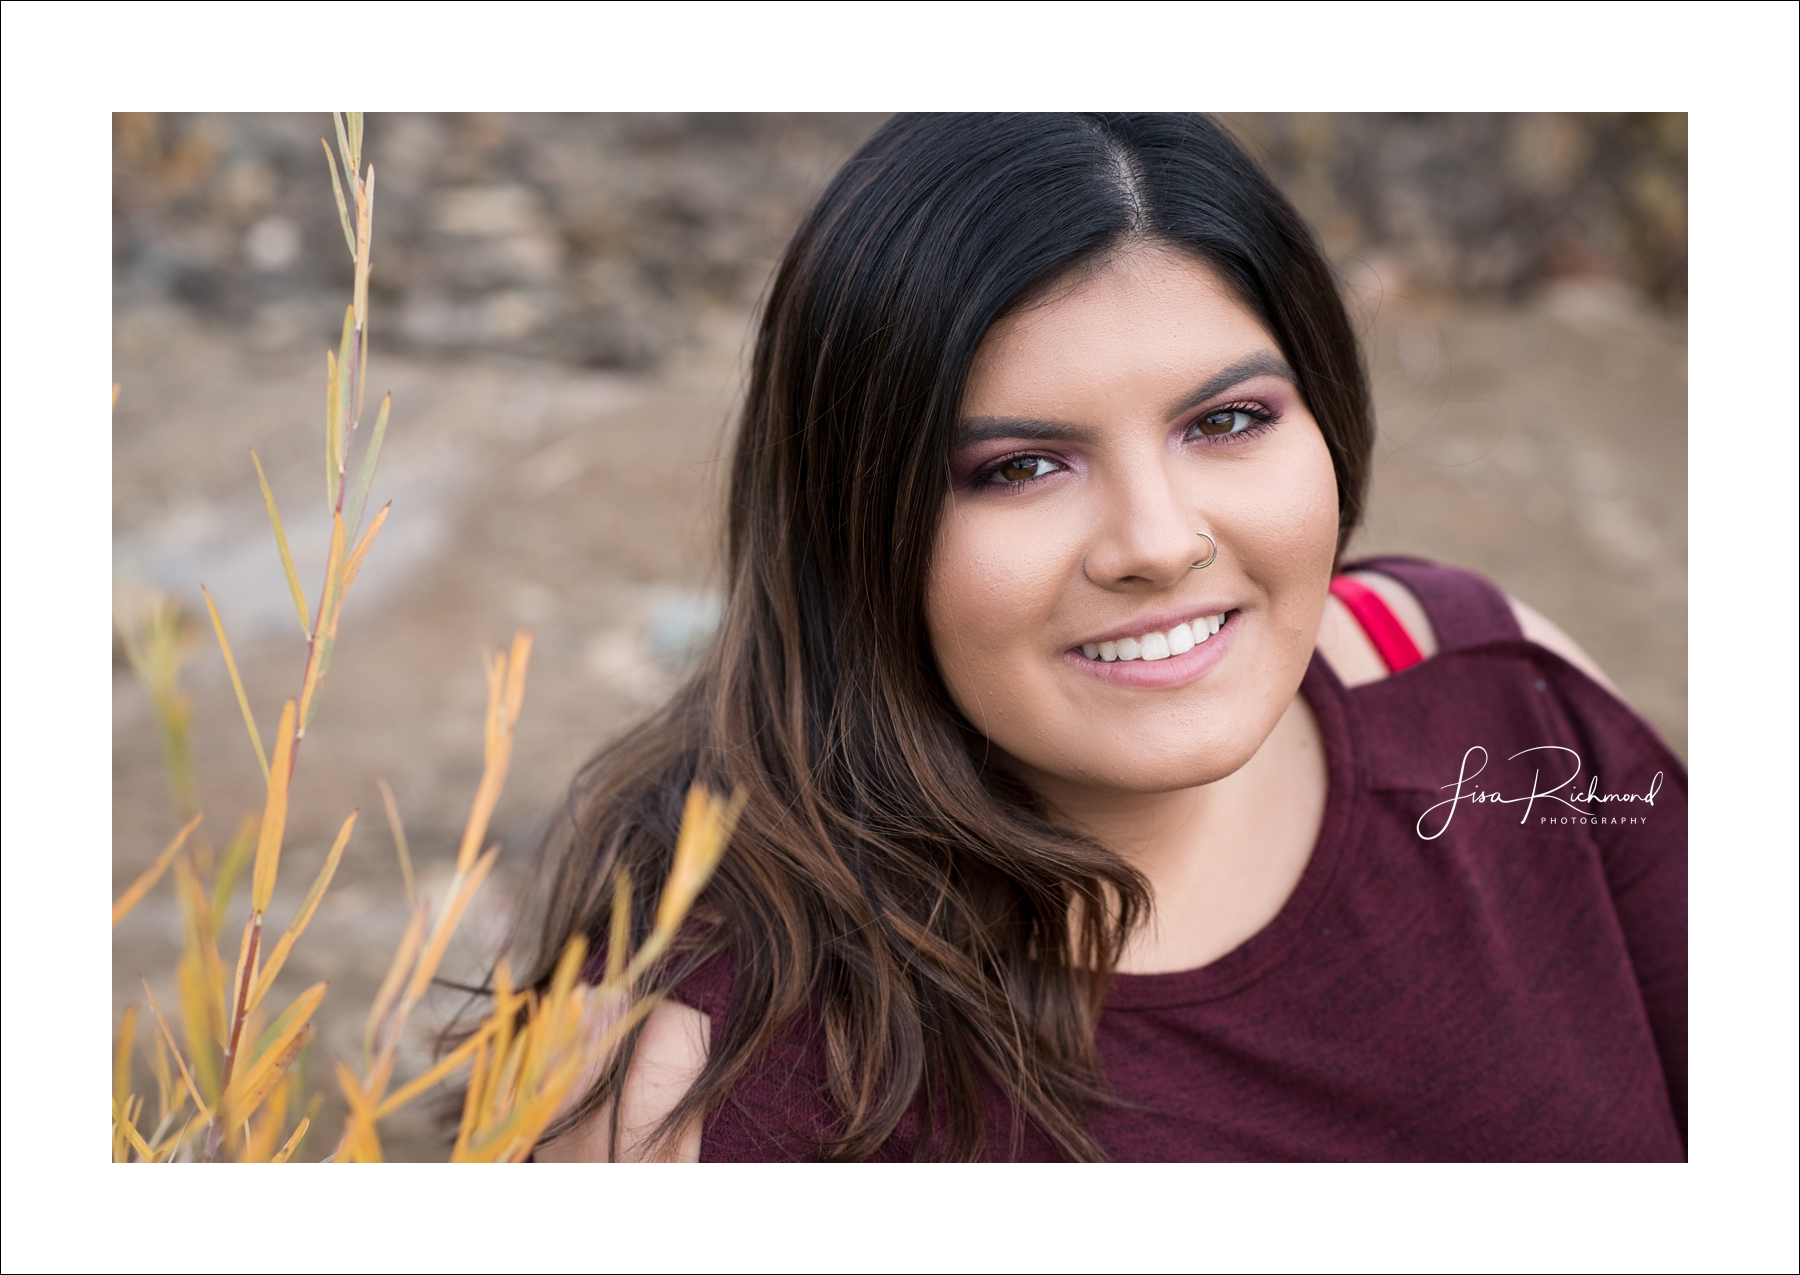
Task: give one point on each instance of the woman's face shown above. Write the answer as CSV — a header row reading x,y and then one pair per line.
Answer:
x,y
1100,431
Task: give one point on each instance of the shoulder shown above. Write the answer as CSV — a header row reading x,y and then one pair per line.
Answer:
x,y
1538,628
671,1050
1348,649
1353,657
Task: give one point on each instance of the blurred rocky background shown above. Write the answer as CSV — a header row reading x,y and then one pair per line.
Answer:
x,y
592,241
560,306
612,241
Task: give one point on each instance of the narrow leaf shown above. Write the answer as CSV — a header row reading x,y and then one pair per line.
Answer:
x,y
354,565
284,1021
281,543
273,1038
459,901
361,1143
471,1102
487,796
365,214
620,935
244,974
319,658
268,1081
359,495
506,690
237,683
293,1142
348,156
568,968
122,1055
449,1063
516,665
304,916
166,1149
197,1024
253,1084
396,978
193,1092
274,820
207,989
706,826
122,1071
231,867
509,1064
152,874
259,1144
505,1014
399,834
338,440
169,1098
337,188
123,1122
331,427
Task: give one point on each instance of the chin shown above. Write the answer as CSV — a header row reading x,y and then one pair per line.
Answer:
x,y
1211,767
1178,759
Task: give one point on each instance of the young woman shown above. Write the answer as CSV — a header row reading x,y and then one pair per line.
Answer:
x,y
1095,810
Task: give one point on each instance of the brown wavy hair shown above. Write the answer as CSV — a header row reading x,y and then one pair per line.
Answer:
x,y
887,882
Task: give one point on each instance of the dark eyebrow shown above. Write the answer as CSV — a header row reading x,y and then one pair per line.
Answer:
x,y
982,429
1265,363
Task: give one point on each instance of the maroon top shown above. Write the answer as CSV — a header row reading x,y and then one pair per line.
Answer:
x,y
1501,978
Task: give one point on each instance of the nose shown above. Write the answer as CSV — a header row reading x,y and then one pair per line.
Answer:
x,y
1144,534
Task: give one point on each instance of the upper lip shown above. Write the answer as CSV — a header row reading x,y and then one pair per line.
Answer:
x,y
1159,622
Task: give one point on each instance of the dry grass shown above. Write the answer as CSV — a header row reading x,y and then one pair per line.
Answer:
x,y
233,1084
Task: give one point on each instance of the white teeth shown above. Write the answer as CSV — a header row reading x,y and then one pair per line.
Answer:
x,y
1156,646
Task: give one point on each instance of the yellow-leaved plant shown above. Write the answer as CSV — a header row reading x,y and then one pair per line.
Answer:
x,y
237,1088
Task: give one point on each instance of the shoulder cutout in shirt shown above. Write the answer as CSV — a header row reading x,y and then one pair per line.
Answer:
x,y
1355,658
1346,644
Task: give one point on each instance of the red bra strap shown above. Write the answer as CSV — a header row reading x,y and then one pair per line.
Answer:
x,y
1394,644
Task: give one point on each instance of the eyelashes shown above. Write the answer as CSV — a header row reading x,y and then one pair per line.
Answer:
x,y
1232,421
1018,471
1219,426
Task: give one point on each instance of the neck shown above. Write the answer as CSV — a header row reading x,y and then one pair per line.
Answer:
x,y
1221,857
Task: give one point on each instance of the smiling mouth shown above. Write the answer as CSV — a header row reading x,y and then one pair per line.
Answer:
x,y
1159,644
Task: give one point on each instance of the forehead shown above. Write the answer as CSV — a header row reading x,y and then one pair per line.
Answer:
x,y
1142,320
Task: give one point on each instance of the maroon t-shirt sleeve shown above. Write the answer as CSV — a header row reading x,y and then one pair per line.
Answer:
x,y
1646,866
1645,863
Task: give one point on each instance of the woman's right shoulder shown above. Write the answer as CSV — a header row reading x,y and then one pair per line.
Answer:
x,y
671,1050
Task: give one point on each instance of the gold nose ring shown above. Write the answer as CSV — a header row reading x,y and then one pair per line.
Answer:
x,y
1210,558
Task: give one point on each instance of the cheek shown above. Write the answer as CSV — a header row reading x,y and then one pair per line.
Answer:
x,y
1287,525
1288,517
989,596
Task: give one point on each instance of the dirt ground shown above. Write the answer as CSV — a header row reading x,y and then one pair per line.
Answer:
x,y
1542,443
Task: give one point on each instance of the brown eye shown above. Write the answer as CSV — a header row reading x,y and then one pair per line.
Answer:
x,y
1021,469
1228,420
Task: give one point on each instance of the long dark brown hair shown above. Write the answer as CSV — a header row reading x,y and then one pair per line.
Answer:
x,y
887,885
